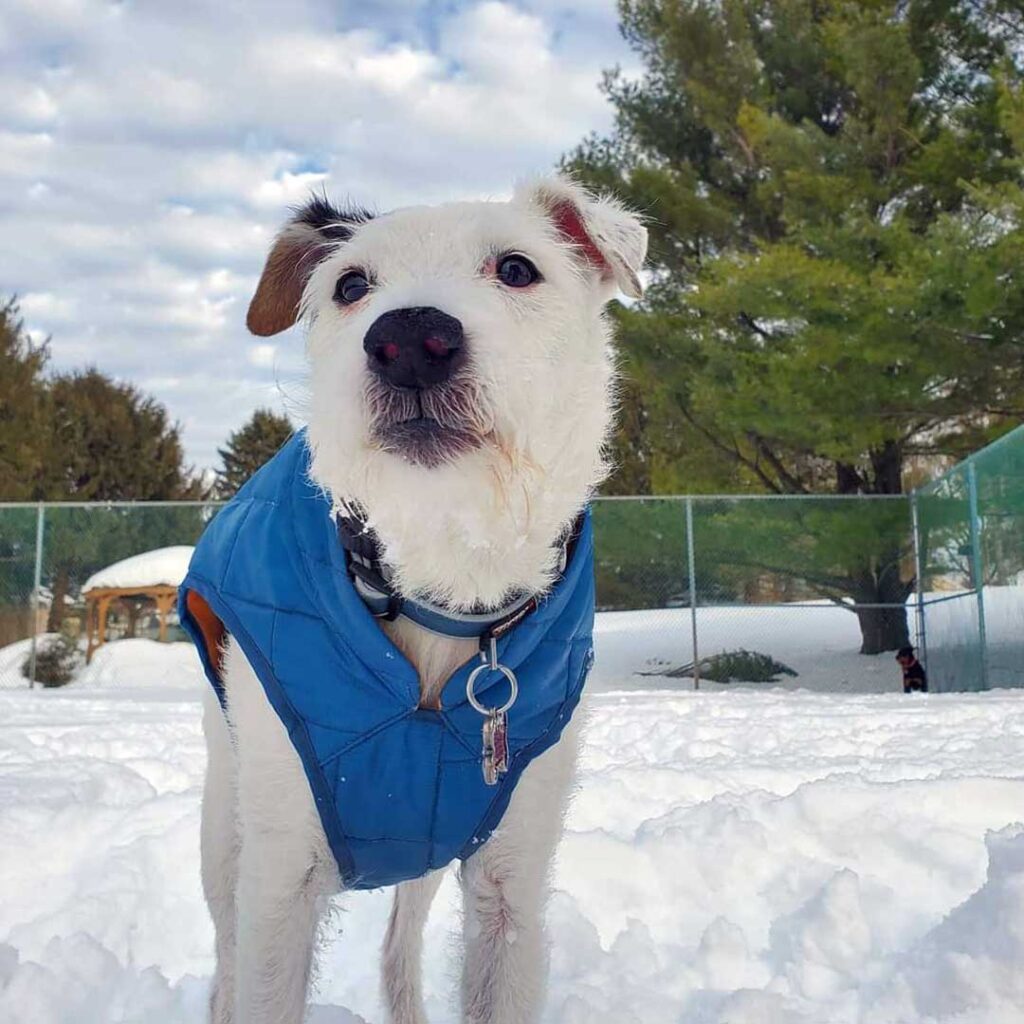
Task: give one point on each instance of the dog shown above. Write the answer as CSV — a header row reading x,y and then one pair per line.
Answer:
x,y
462,391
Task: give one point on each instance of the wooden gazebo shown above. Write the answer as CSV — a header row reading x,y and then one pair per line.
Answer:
x,y
153,576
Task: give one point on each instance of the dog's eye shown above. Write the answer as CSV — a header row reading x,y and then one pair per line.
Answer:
x,y
351,287
517,271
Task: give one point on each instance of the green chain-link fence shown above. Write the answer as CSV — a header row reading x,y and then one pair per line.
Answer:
x,y
49,552
750,589
691,589
970,525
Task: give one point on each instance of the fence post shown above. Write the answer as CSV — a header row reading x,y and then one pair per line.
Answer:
x,y
692,571
37,581
922,632
977,568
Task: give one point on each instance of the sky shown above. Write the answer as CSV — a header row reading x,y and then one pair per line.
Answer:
x,y
150,150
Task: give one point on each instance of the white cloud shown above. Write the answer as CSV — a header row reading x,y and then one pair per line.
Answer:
x,y
262,355
47,306
149,152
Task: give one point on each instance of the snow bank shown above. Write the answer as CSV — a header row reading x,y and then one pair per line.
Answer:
x,y
820,642
752,857
13,656
166,566
126,664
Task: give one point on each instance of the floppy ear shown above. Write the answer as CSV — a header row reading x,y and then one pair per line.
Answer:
x,y
608,237
301,244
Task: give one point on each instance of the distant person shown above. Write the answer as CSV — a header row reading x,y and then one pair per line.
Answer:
x,y
914,675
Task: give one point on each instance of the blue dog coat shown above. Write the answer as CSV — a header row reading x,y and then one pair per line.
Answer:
x,y
399,788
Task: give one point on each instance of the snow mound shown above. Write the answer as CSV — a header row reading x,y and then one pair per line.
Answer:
x,y
163,566
751,857
144,663
13,657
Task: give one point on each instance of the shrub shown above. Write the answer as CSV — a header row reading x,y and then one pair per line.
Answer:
x,y
734,667
57,660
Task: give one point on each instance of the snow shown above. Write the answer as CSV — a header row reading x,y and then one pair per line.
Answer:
x,y
143,667
13,656
166,566
750,855
818,640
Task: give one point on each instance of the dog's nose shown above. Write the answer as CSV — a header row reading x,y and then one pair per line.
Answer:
x,y
415,347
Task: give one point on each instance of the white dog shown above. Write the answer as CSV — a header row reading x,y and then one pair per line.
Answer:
x,y
461,396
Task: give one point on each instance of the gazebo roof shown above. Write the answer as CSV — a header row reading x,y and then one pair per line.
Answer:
x,y
162,567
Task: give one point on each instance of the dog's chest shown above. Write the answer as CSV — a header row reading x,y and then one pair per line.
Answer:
x,y
434,657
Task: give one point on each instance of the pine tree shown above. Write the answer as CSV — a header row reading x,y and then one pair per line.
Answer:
x,y
111,442
834,192
249,447
23,407
107,442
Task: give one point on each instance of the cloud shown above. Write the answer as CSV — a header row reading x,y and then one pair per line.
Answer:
x,y
149,152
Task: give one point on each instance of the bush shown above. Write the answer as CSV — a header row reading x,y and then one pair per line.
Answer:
x,y
734,667
57,660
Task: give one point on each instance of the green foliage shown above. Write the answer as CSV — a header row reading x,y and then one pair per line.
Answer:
x,y
741,666
23,407
57,660
250,447
640,554
834,193
110,442
81,436
838,548
79,541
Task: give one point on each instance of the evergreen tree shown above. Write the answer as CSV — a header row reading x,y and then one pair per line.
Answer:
x,y
834,193
23,407
110,442
250,447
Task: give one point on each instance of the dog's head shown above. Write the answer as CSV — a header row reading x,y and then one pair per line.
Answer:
x,y
461,386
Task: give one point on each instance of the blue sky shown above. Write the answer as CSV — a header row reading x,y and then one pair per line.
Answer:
x,y
148,152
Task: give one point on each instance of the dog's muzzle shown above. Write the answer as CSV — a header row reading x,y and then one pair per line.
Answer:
x,y
421,399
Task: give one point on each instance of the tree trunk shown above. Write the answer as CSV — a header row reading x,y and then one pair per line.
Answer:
x,y
61,586
883,629
133,618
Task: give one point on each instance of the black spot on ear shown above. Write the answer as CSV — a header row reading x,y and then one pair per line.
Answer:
x,y
331,221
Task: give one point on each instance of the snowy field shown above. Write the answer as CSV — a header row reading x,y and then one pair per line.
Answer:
x,y
739,856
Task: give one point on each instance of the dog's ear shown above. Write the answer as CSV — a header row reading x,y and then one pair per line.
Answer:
x,y
607,236
301,244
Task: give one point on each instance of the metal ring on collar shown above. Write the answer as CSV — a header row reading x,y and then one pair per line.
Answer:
x,y
471,681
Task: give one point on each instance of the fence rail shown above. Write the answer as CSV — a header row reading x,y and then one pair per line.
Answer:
x,y
703,588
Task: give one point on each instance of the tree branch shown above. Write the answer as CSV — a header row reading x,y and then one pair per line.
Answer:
x,y
733,452
793,485
748,321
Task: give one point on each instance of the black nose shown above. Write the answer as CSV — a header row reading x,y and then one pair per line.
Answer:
x,y
415,347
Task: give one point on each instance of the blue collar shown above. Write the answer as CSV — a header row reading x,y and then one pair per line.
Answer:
x,y
372,582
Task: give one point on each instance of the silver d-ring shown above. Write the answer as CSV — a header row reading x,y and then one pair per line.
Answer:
x,y
471,696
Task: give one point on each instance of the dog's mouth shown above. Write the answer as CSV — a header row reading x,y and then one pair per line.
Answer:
x,y
427,442
427,427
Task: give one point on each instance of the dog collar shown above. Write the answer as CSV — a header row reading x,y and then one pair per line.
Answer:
x,y
372,582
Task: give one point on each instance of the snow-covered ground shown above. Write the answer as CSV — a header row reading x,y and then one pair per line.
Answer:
x,y
751,856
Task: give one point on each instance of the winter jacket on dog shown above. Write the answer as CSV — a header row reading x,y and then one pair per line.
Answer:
x,y
399,788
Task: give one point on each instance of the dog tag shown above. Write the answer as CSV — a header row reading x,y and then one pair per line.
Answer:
x,y
495,734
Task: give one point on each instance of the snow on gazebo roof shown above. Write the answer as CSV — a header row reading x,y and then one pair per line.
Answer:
x,y
162,567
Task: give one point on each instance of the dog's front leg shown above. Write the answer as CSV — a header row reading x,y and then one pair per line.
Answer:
x,y
219,842
285,868
505,891
402,953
